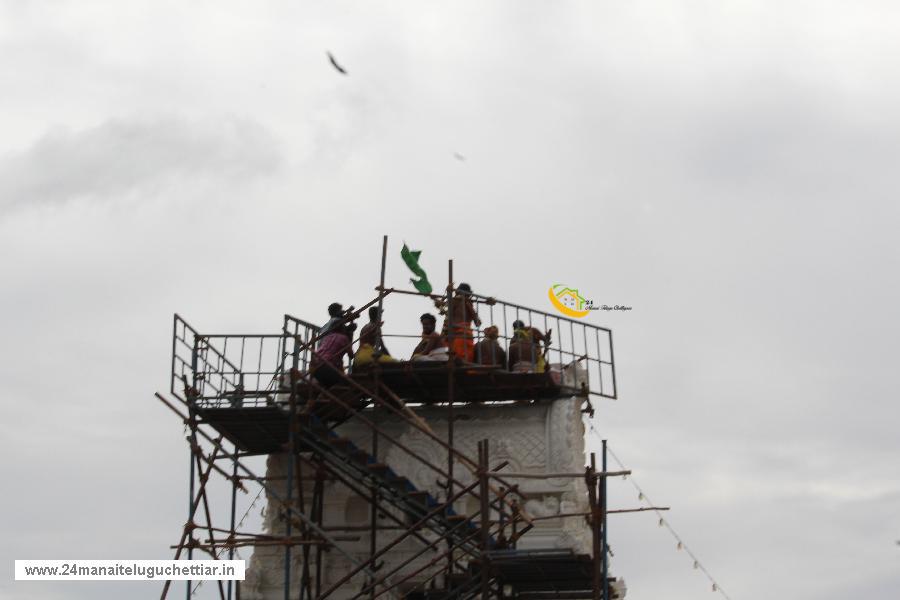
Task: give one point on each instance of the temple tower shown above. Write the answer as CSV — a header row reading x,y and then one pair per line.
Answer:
x,y
452,477
537,439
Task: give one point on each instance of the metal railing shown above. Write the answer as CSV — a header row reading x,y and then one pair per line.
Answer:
x,y
302,333
226,369
573,342
249,369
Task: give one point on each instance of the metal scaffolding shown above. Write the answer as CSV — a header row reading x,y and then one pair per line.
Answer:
x,y
244,395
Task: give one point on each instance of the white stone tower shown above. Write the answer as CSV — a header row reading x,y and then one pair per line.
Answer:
x,y
539,438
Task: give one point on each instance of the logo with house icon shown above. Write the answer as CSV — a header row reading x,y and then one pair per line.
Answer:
x,y
569,301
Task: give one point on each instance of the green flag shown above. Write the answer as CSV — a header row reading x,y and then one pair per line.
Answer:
x,y
411,258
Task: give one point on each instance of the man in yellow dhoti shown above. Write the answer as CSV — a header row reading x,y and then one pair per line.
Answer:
x,y
525,352
371,346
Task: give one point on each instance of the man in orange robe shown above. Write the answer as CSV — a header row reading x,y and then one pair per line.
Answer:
x,y
457,326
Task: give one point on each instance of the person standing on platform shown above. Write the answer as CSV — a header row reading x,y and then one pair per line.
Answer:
x,y
336,314
457,325
327,364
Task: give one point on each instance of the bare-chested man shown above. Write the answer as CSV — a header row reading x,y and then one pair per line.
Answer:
x,y
457,326
488,351
370,342
525,348
431,340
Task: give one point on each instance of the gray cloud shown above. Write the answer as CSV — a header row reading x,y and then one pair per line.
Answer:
x,y
726,169
122,155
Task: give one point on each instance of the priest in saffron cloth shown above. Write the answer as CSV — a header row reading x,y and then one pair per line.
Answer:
x,y
457,325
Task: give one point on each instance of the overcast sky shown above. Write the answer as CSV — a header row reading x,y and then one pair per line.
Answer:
x,y
726,168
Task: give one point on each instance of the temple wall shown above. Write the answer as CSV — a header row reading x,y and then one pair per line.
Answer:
x,y
534,438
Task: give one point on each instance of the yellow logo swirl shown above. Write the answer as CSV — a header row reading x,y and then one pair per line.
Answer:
x,y
559,292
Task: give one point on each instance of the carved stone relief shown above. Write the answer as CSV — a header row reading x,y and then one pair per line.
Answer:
x,y
531,438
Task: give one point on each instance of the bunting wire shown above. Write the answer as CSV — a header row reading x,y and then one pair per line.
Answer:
x,y
237,551
642,495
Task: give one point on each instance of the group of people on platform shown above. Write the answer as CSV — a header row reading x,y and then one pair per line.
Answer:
x,y
527,345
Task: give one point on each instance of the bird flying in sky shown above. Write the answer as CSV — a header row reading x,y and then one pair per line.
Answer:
x,y
335,64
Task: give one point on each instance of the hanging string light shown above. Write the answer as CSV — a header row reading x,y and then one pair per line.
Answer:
x,y
662,522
